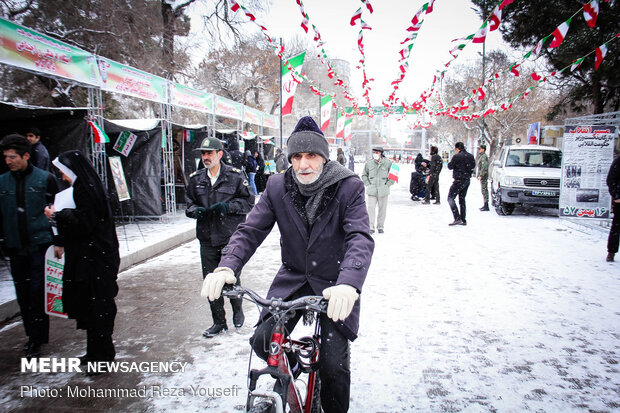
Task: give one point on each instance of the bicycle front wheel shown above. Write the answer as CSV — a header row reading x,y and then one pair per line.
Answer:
x,y
316,395
262,407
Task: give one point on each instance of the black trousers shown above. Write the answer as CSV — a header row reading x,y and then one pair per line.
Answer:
x,y
334,359
432,188
210,258
459,187
614,231
29,280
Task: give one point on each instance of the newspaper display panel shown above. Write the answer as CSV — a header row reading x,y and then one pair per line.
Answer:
x,y
586,157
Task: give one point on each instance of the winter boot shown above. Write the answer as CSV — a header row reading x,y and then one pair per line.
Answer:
x,y
610,257
238,317
219,319
485,207
214,330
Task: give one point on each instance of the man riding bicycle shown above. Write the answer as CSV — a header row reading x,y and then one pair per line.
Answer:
x,y
326,250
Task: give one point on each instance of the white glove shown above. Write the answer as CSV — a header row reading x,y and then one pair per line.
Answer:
x,y
214,282
341,298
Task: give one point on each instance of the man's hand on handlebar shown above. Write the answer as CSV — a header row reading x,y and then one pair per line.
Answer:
x,y
341,298
214,282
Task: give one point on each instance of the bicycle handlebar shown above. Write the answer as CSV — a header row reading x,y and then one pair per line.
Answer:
x,y
277,305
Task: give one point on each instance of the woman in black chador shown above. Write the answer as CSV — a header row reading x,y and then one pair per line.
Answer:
x,y
92,260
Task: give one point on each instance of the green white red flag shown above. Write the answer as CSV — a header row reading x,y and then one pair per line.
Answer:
x,y
340,125
481,34
576,63
590,12
98,133
188,135
394,171
348,123
289,83
326,110
496,19
559,34
599,54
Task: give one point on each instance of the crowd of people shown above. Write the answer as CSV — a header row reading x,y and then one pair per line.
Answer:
x,y
326,215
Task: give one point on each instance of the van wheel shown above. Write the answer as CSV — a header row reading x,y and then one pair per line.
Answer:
x,y
502,208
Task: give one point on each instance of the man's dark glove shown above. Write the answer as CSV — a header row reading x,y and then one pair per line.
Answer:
x,y
220,207
200,213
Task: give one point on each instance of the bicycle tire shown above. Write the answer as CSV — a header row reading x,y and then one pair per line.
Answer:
x,y
262,407
316,396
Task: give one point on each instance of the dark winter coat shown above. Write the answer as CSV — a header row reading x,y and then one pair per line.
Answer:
x,y
613,179
23,196
337,249
436,165
91,254
462,165
281,162
231,187
39,156
250,164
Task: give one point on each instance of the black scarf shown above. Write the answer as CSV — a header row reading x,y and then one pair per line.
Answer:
x,y
315,192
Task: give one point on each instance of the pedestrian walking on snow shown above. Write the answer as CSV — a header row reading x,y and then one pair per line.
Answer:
x,y
375,177
462,165
218,197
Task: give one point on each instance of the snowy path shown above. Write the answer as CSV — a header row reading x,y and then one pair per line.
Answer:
x,y
507,314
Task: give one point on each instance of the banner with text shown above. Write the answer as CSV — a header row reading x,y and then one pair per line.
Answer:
x,y
228,108
190,98
119,78
31,50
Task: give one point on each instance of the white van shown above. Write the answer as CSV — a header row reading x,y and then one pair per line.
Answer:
x,y
526,175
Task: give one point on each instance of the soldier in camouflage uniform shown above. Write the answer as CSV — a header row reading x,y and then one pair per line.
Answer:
x,y
482,165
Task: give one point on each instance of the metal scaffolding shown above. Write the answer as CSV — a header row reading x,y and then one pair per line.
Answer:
x,y
167,154
97,150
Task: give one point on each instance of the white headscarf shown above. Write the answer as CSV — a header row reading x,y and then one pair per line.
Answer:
x,y
65,170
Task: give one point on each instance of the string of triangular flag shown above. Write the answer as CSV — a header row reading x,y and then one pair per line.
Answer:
x,y
357,19
559,34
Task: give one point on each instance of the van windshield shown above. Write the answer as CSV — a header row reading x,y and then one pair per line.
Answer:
x,y
534,158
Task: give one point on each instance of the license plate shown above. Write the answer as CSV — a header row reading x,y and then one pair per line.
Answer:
x,y
543,193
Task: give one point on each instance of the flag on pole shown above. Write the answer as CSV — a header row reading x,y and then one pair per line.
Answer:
x,y
326,110
340,125
599,53
559,34
348,123
289,84
188,135
576,63
394,171
98,133
590,12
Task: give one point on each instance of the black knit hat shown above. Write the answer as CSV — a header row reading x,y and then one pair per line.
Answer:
x,y
307,137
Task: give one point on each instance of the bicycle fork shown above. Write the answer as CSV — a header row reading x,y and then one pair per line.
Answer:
x,y
279,368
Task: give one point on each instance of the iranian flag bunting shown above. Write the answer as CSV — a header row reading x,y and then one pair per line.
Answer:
x,y
289,83
394,171
404,53
326,109
368,6
590,12
429,9
505,3
356,16
481,34
600,53
577,63
98,133
234,5
496,19
559,34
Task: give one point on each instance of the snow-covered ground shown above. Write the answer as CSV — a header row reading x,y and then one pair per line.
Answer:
x,y
507,314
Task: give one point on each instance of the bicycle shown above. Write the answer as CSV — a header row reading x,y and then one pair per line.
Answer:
x,y
281,346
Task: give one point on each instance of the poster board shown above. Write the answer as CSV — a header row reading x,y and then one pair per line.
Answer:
x,y
118,176
587,154
54,271
125,142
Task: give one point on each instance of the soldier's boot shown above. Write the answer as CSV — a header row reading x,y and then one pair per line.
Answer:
x,y
485,207
238,317
219,319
